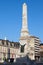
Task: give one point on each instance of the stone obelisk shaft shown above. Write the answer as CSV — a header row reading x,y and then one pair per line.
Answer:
x,y
24,30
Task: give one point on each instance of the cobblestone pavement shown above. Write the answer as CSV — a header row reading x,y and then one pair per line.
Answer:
x,y
21,64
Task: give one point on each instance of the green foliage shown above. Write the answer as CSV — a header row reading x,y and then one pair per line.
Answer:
x,y
5,59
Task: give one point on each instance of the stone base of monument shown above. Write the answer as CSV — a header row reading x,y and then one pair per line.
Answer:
x,y
24,60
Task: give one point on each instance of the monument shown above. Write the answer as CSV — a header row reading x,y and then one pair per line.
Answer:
x,y
24,32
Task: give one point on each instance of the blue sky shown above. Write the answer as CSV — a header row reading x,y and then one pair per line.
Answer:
x,y
11,18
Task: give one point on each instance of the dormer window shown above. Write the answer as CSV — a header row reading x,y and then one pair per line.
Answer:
x,y
10,44
7,43
2,42
14,45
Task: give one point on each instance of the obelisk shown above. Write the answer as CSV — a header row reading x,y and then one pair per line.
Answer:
x,y
24,30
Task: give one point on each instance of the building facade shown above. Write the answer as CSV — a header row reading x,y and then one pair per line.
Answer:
x,y
8,49
41,52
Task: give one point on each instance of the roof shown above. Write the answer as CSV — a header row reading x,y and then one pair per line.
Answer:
x,y
34,37
12,44
41,44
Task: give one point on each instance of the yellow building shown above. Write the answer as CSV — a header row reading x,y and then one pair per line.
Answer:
x,y
8,49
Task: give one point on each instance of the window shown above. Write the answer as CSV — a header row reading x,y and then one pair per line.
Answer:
x,y
31,48
7,43
10,44
2,43
8,53
22,48
14,45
